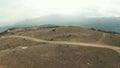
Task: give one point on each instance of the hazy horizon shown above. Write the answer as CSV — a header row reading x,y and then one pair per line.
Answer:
x,y
12,11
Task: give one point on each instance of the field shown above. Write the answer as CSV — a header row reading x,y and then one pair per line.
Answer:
x,y
59,47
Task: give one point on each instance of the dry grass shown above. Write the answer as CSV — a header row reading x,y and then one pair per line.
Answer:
x,y
59,56
112,39
11,43
62,33
22,53
75,34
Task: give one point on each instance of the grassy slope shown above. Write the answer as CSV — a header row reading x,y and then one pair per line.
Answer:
x,y
75,34
43,55
59,56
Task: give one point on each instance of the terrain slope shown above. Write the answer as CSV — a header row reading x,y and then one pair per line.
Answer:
x,y
59,47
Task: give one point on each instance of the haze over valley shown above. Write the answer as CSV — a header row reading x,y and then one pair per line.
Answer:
x,y
104,23
59,34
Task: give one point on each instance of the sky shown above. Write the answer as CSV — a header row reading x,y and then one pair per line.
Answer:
x,y
17,10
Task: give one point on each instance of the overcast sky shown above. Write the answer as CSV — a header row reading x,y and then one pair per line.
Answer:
x,y
15,10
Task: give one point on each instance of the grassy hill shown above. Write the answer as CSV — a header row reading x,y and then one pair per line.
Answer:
x,y
24,53
73,34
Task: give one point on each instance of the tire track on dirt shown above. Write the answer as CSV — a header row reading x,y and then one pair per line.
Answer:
x,y
115,48
102,38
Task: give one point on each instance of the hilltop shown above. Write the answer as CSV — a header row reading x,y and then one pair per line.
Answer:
x,y
59,47
73,34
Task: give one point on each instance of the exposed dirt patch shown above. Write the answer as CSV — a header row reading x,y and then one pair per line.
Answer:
x,y
53,51
60,56
74,34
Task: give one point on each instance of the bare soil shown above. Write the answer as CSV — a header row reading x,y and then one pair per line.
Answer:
x,y
23,53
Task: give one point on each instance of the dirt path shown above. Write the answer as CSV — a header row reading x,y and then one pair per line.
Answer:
x,y
102,38
117,49
1,66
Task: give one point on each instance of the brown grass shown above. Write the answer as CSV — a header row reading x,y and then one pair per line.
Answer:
x,y
75,34
59,56
22,53
63,33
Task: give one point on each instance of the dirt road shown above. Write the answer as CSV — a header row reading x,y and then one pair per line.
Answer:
x,y
117,49
102,38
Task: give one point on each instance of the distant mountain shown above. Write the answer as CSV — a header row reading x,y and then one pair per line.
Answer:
x,y
4,28
108,24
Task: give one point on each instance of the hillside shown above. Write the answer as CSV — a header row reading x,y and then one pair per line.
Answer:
x,y
59,47
73,34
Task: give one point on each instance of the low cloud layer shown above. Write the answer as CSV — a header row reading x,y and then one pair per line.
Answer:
x,y
16,10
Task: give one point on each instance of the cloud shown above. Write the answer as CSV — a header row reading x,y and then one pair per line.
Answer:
x,y
16,10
